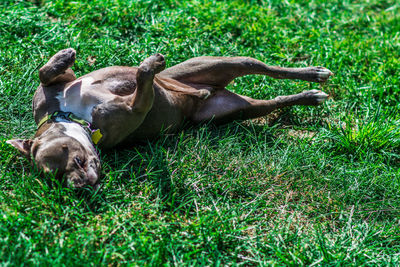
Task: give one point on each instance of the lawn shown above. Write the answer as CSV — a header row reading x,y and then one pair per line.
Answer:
x,y
302,186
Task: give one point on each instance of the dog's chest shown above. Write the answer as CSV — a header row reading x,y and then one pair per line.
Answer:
x,y
81,96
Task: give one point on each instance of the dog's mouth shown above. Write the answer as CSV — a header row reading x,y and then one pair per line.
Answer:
x,y
79,179
77,184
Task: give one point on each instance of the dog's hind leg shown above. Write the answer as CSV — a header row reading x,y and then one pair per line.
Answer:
x,y
58,68
225,106
220,71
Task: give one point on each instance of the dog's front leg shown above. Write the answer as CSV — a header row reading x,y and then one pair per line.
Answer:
x,y
120,117
58,68
144,95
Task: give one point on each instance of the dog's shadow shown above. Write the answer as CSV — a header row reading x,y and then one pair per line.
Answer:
x,y
153,164
152,169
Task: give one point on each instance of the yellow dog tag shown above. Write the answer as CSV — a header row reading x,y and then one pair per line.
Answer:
x,y
96,136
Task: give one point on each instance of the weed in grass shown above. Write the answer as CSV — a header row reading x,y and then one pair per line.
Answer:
x,y
370,133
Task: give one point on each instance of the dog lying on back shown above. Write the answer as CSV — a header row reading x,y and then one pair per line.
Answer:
x,y
115,104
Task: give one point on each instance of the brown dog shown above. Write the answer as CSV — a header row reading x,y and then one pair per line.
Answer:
x,y
114,104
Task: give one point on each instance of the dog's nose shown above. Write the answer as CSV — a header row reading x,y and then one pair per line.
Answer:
x,y
91,176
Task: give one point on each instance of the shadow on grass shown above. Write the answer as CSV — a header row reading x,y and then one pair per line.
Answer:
x,y
161,166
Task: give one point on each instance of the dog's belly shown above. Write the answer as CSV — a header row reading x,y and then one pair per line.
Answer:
x,y
104,85
113,84
82,95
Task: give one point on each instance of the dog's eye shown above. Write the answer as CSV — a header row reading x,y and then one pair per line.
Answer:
x,y
79,162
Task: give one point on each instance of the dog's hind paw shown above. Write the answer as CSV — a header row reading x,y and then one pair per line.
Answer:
x,y
323,74
315,97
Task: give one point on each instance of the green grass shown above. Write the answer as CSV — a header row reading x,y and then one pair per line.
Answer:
x,y
307,186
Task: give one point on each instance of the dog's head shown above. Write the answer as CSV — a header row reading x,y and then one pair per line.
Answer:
x,y
64,157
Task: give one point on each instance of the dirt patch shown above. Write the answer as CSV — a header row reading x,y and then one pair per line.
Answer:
x,y
302,134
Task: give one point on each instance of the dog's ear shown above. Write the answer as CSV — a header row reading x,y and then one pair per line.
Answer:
x,y
24,146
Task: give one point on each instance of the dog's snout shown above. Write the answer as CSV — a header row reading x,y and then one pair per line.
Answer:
x,y
92,176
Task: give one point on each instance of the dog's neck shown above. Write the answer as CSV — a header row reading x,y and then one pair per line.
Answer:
x,y
76,131
72,129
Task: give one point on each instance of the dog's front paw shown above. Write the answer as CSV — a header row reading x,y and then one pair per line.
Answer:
x,y
63,59
154,63
204,93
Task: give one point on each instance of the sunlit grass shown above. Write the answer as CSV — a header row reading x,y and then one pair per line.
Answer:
x,y
303,186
